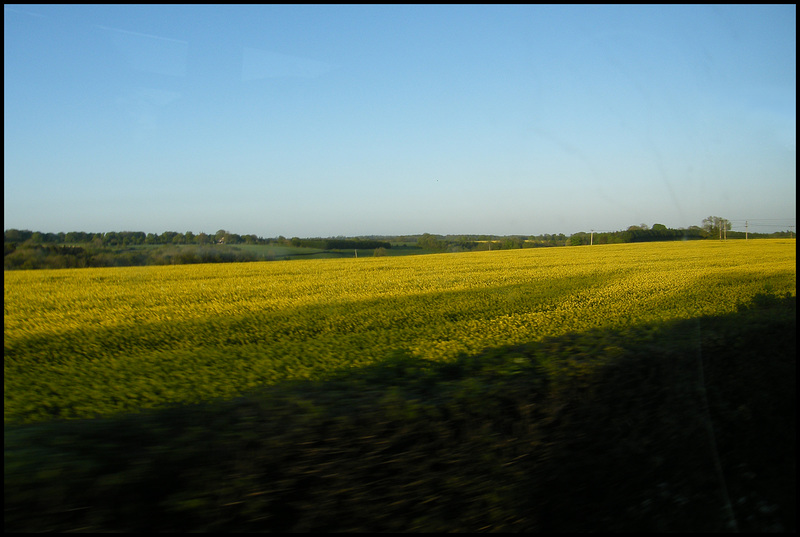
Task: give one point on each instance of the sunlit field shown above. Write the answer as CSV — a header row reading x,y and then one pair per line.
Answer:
x,y
93,342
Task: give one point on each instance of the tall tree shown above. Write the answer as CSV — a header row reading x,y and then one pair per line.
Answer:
x,y
716,224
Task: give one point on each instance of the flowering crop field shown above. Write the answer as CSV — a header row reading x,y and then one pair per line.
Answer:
x,y
92,342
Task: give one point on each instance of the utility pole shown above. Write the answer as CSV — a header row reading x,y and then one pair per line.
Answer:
x,y
745,230
591,238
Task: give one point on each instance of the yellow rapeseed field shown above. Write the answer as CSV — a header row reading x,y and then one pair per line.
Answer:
x,y
95,341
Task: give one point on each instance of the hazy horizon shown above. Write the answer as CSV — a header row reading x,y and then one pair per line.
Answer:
x,y
325,121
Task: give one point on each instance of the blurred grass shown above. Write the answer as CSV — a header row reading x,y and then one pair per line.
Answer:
x,y
597,431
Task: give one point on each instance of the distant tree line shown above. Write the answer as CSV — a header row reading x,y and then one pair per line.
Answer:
x,y
139,238
134,238
714,227
51,256
469,243
340,244
640,233
24,249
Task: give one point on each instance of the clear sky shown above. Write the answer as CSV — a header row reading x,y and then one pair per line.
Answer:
x,y
386,120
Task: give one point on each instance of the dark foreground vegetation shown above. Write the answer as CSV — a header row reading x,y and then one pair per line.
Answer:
x,y
688,426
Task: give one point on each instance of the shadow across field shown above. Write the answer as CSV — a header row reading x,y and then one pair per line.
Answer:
x,y
685,426
97,370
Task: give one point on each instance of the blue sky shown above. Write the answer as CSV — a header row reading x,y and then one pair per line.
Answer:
x,y
382,120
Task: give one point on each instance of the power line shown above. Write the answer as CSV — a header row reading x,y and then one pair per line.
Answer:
x,y
763,221
762,225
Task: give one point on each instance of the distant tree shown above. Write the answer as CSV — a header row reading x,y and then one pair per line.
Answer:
x,y
112,238
167,237
429,242
233,238
16,235
510,243
133,237
578,239
715,225
659,227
